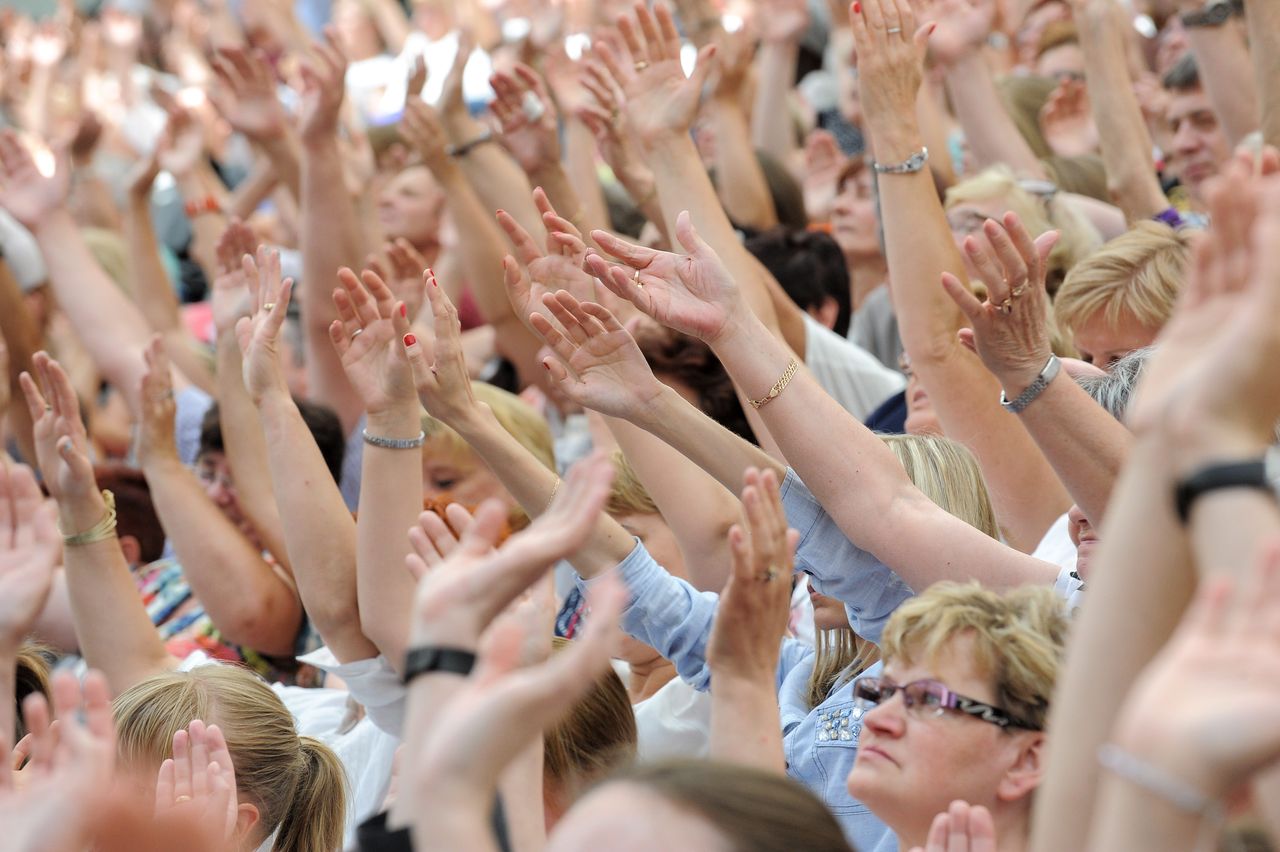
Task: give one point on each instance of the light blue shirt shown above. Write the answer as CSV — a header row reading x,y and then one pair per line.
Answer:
x,y
820,744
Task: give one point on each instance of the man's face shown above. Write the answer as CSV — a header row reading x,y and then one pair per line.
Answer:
x,y
1200,147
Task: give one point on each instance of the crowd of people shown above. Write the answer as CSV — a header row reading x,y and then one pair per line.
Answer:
x,y
746,425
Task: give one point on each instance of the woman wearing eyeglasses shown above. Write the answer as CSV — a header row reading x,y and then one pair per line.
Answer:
x,y
958,712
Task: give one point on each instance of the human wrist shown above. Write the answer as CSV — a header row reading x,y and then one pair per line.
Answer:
x,y
81,510
1197,445
397,421
897,143
1170,752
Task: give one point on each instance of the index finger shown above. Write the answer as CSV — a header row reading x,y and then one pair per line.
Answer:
x,y
526,249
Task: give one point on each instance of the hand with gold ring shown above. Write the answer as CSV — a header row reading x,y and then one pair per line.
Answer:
x,y
660,100
369,337
258,334
1010,330
608,121
755,606
199,782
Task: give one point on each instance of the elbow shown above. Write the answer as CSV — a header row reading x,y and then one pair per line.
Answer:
x,y
265,627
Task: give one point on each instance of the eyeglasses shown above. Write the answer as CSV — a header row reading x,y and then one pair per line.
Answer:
x,y
931,698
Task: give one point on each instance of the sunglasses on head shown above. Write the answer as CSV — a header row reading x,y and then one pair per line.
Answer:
x,y
931,698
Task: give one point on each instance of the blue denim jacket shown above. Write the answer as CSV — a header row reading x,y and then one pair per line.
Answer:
x,y
819,744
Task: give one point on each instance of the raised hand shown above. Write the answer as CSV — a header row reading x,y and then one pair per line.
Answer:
x,y
1066,120
30,550
1010,328
755,605
439,364
961,828
782,20
181,146
597,363
735,52
530,128
29,195
422,129
462,591
963,28
660,100
452,104
73,747
157,441
607,120
258,334
534,272
62,445
230,297
1207,708
692,293
199,782
369,336
402,267
323,85
247,97
890,60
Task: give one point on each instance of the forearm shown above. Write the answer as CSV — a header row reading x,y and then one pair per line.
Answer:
x,y
22,339
319,533
243,597
110,326
246,451
741,181
112,627
992,135
1137,593
935,130
554,180
201,187
253,190
533,485
698,509
1135,819
771,128
496,177
745,727
523,806
1085,445
390,502
1263,19
330,239
1222,56
392,23
580,164
1122,132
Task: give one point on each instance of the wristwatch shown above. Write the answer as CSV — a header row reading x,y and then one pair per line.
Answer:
x,y
1213,14
1245,474
1047,375
433,658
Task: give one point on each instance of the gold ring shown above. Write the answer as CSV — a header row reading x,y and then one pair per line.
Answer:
x,y
636,279
641,65
1018,291
1007,306
180,799
268,306
770,575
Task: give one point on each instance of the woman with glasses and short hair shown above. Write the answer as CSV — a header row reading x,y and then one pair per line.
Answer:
x,y
958,711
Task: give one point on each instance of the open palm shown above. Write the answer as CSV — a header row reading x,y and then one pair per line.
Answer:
x,y
30,548
27,194
367,335
259,333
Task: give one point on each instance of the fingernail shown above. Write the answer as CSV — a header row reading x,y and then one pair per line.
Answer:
x,y
932,27
409,340
404,310
546,366
857,8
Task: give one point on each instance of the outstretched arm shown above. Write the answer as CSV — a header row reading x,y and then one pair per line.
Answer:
x,y
1264,38
114,632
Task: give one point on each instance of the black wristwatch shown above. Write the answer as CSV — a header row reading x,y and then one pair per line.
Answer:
x,y
1246,474
433,658
1214,14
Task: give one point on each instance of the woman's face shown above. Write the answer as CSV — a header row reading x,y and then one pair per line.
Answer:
x,y
1084,537
450,476
627,817
828,613
921,418
967,218
411,206
911,764
853,218
1102,343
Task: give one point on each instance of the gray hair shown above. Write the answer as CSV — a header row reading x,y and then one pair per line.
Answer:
x,y
1114,390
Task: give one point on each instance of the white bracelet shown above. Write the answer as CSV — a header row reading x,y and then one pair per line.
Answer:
x,y
1136,771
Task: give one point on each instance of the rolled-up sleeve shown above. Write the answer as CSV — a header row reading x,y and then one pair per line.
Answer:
x,y
371,682
667,614
869,589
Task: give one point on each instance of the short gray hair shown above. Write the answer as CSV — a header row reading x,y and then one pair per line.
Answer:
x,y
1113,390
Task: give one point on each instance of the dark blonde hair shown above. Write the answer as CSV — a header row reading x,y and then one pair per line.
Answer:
x,y
755,810
297,783
31,675
1018,639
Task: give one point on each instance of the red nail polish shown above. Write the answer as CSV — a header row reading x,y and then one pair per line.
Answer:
x,y
404,310
546,366
409,340
857,8
932,27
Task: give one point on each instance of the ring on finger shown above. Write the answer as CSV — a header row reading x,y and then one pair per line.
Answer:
x,y
636,279
641,65
1018,291
1007,306
357,333
770,575
180,799
894,30
268,306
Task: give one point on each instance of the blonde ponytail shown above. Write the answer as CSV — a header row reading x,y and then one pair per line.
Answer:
x,y
314,817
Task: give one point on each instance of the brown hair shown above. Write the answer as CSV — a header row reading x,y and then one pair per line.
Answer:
x,y
692,362
628,495
135,512
297,783
598,736
755,810
31,675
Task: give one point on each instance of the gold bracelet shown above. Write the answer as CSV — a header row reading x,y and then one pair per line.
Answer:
x,y
778,387
101,531
552,498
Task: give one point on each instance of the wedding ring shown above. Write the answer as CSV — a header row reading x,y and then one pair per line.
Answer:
x,y
770,575
180,799
641,65
357,333
636,279
268,306
48,407
1018,291
1007,306
894,30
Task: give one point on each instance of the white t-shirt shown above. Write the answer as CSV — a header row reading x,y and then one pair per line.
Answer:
x,y
1056,546
853,376
674,722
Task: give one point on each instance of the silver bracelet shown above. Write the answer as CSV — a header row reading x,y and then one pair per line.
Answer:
x,y
1033,390
394,443
909,166
1182,796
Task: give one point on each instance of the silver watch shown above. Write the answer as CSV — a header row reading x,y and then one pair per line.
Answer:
x,y
1047,375
911,165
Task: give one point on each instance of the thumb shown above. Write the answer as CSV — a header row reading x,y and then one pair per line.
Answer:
x,y
418,360
967,340
687,234
921,38
1045,244
706,63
